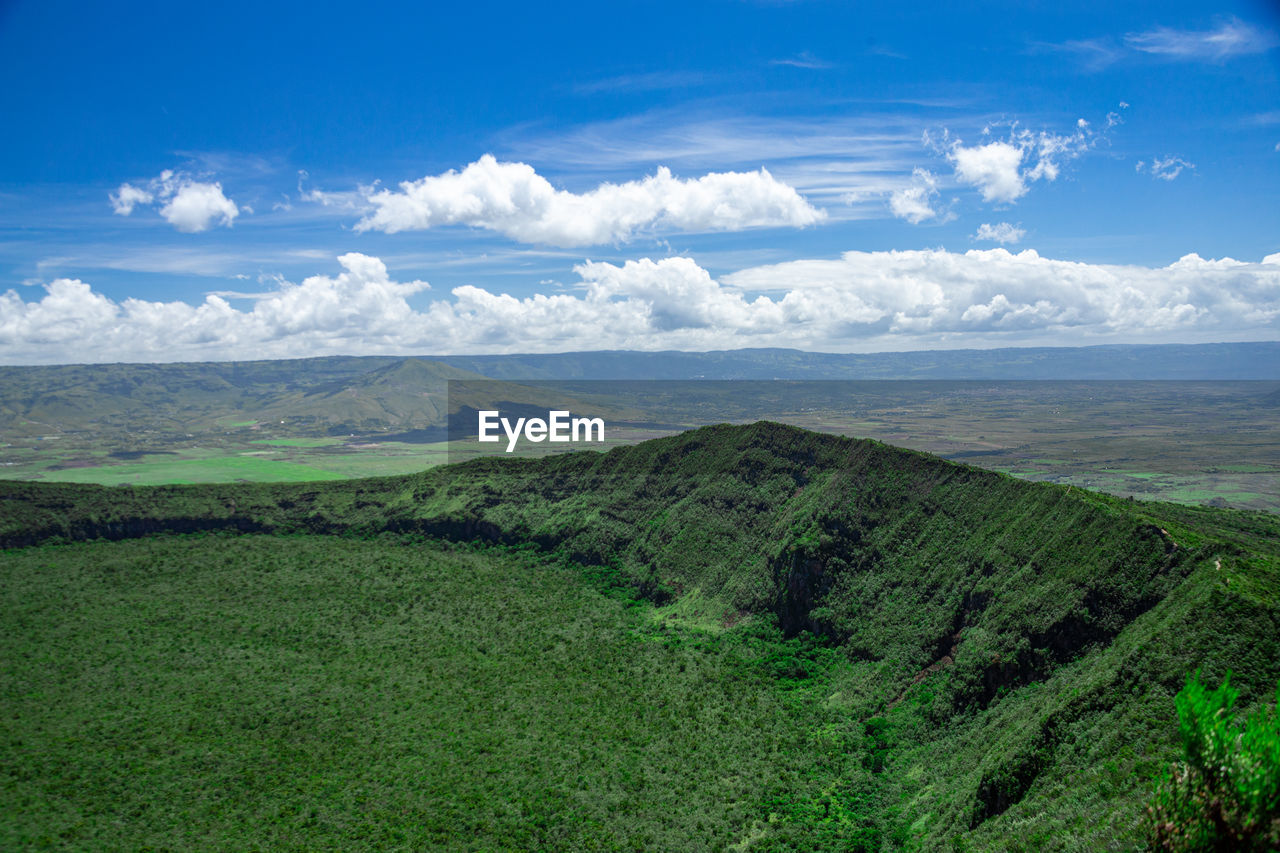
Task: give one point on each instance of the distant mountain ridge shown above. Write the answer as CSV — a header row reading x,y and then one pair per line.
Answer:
x,y
1248,360
1258,360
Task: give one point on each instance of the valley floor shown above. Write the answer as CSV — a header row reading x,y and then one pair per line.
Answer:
x,y
309,693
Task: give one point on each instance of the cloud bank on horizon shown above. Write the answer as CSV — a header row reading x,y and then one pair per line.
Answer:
x,y
912,298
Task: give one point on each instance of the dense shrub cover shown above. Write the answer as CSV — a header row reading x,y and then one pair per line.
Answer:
x,y
1225,793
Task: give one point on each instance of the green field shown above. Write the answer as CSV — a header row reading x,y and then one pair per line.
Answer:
x,y
297,442
305,693
270,461
213,469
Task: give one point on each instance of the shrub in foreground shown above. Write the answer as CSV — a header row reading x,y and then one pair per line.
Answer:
x,y
1225,793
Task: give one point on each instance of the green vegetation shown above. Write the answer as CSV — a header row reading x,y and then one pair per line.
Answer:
x,y
880,649
306,693
1225,794
206,470
297,442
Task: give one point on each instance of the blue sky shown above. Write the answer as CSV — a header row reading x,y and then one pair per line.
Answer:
x,y
180,183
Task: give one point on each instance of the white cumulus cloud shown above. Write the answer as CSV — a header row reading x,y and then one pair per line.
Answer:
x,y
860,300
514,200
927,293
994,168
1003,168
914,203
1001,232
353,310
125,199
195,206
188,205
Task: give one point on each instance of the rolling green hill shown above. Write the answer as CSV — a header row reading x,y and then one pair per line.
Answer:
x,y
954,658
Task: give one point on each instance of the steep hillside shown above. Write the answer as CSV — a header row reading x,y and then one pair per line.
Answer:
x,y
156,396
1010,649
407,394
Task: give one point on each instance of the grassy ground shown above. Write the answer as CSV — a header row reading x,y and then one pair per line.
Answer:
x,y
297,442
263,461
212,469
311,693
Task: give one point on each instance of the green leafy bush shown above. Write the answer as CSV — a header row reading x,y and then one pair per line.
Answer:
x,y
1225,795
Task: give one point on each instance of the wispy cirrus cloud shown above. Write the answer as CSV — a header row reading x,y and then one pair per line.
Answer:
x,y
846,165
885,50
804,59
220,262
1165,168
1230,38
698,139
1093,54
652,81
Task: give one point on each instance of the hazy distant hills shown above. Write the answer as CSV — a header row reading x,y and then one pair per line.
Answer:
x,y
1162,361
355,394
